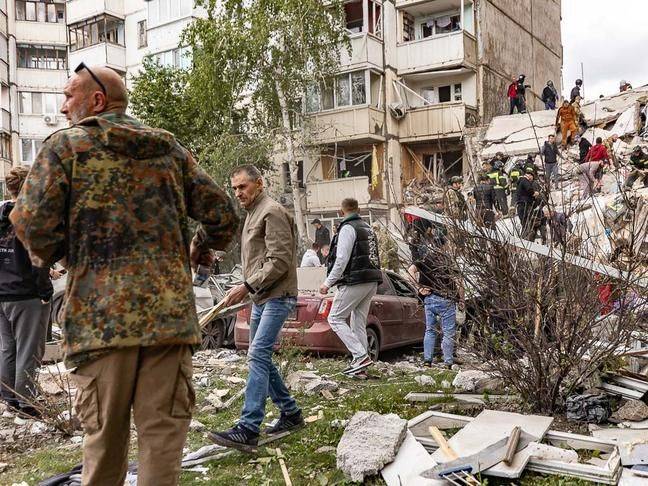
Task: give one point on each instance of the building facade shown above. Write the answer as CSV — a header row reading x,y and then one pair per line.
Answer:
x,y
418,74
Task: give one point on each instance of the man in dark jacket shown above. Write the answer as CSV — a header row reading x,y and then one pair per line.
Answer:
x,y
113,198
525,202
25,293
550,154
354,267
521,93
576,91
549,96
484,196
514,176
322,233
639,162
584,146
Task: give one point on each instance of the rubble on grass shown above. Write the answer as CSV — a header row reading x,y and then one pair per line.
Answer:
x,y
632,410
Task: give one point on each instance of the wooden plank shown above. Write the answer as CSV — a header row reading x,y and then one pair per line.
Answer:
x,y
284,469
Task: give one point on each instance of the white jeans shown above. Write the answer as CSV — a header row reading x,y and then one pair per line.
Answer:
x,y
354,301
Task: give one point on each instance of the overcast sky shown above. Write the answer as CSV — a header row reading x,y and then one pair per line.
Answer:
x,y
610,38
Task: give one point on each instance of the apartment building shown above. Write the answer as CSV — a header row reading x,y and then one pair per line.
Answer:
x,y
419,73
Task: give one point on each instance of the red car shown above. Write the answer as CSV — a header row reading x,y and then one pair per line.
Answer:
x,y
396,319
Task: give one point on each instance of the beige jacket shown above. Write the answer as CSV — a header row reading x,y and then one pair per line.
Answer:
x,y
269,251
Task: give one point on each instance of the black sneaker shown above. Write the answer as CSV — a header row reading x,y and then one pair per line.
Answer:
x,y
358,364
238,437
427,364
286,423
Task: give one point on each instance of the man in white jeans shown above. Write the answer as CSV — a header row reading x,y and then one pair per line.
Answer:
x,y
354,266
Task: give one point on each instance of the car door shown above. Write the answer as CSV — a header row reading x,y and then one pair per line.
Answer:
x,y
387,310
413,325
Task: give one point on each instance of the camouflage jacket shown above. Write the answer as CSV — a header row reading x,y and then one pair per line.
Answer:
x,y
113,198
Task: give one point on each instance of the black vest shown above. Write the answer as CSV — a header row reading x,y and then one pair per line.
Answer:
x,y
364,263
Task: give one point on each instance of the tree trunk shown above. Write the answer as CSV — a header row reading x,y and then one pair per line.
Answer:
x,y
292,163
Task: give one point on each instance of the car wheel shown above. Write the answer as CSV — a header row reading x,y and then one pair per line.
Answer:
x,y
213,335
373,344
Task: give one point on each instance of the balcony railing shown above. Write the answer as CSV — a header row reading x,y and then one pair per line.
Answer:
x,y
6,121
443,120
41,32
366,51
326,195
104,53
437,52
356,123
83,9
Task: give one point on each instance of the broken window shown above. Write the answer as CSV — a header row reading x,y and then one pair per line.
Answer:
x,y
358,89
457,92
439,25
343,91
287,178
103,28
375,81
444,94
354,165
354,17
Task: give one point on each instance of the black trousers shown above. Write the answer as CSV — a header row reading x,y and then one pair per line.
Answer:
x,y
501,202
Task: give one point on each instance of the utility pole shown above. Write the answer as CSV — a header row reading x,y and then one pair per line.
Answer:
x,y
583,79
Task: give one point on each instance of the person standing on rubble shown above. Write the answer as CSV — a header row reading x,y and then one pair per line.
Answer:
x,y
269,260
521,93
639,163
354,267
514,176
454,201
495,172
25,295
576,90
111,198
584,146
550,155
566,123
609,146
512,95
597,158
549,96
526,199
484,197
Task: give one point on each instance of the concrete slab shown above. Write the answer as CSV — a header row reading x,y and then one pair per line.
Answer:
x,y
412,459
606,110
502,127
490,426
632,443
628,122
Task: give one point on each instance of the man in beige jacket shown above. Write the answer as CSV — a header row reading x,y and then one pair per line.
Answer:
x,y
269,258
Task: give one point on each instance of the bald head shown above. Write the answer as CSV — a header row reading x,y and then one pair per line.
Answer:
x,y
84,96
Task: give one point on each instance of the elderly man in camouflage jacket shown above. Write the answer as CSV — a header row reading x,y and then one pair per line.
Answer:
x,y
112,198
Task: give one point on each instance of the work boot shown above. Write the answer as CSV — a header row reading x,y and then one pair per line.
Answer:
x,y
29,412
287,423
238,437
358,364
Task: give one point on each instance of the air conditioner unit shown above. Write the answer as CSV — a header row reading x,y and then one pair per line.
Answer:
x,y
286,200
50,119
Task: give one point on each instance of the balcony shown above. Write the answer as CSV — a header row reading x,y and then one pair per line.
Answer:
x,y
83,9
4,73
354,124
431,122
326,195
6,121
439,52
41,32
41,78
104,54
366,52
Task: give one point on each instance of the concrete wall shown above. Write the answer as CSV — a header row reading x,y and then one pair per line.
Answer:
x,y
517,38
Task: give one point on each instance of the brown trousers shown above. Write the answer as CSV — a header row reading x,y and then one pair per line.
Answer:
x,y
156,382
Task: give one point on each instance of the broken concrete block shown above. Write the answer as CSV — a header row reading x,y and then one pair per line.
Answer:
x,y
425,380
196,426
551,453
476,381
296,381
318,385
632,410
370,441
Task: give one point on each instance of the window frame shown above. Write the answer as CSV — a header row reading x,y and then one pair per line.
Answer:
x,y
29,54
41,11
26,100
35,147
421,23
94,31
314,92
142,35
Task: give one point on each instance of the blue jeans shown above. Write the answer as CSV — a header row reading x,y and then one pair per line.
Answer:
x,y
266,322
444,309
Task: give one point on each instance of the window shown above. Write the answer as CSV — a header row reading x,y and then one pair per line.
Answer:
x,y
442,94
345,90
443,24
29,148
33,11
42,57
141,34
402,288
35,103
354,165
163,11
5,146
96,30
179,58
300,175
